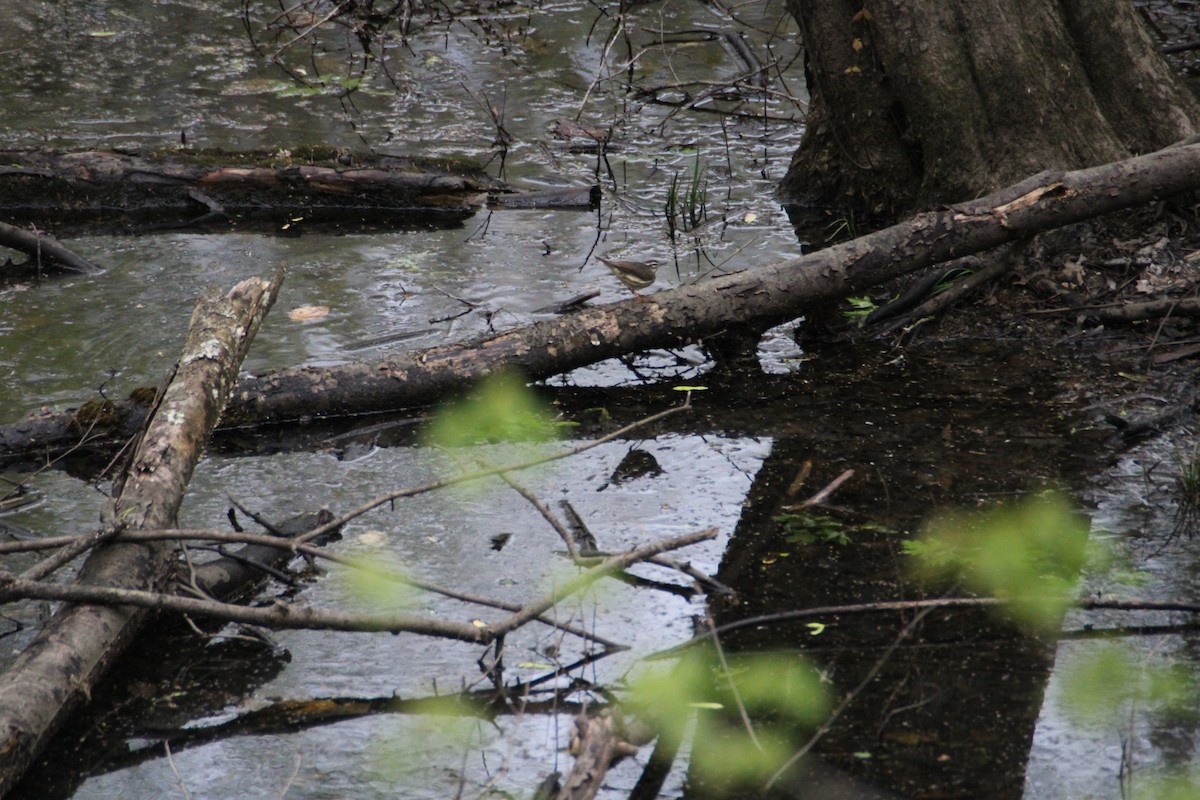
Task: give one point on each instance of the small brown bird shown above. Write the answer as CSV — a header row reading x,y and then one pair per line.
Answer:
x,y
634,274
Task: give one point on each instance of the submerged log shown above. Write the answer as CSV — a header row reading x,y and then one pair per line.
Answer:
x,y
286,190
75,647
235,575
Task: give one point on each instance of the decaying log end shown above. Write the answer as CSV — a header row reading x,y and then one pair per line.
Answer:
x,y
597,744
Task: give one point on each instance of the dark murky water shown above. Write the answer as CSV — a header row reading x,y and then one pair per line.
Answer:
x,y
955,713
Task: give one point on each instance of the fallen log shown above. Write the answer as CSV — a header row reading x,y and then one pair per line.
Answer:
x,y
757,299
596,744
752,299
58,669
286,190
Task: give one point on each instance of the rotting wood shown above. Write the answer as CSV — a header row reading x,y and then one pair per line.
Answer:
x,y
596,745
755,299
75,647
286,190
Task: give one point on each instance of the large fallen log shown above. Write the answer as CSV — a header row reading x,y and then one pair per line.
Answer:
x,y
287,190
73,649
754,299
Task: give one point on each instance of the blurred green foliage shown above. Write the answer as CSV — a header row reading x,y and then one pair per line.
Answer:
x,y
780,693
1100,689
1030,553
381,582
502,408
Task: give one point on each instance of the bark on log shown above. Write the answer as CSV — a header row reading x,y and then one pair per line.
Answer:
x,y
596,745
1137,312
754,299
286,189
74,648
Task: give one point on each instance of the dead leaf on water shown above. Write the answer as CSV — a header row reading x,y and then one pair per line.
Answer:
x,y
308,313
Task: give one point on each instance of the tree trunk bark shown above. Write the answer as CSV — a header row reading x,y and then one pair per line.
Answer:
x,y
927,101
74,648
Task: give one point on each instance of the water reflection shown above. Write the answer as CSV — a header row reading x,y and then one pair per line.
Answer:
x,y
920,432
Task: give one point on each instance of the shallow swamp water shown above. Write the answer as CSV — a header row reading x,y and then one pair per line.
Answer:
x,y
964,708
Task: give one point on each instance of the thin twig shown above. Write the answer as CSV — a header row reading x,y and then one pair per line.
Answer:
x,y
607,567
823,729
546,513
487,473
823,495
291,616
316,552
175,770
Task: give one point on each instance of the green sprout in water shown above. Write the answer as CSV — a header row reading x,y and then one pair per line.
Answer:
x,y
807,528
686,206
845,227
948,278
860,309
1187,491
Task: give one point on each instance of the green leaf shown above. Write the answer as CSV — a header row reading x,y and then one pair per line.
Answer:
x,y
1029,552
779,691
501,408
860,307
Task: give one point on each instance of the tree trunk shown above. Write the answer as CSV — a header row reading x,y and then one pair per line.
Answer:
x,y
927,101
